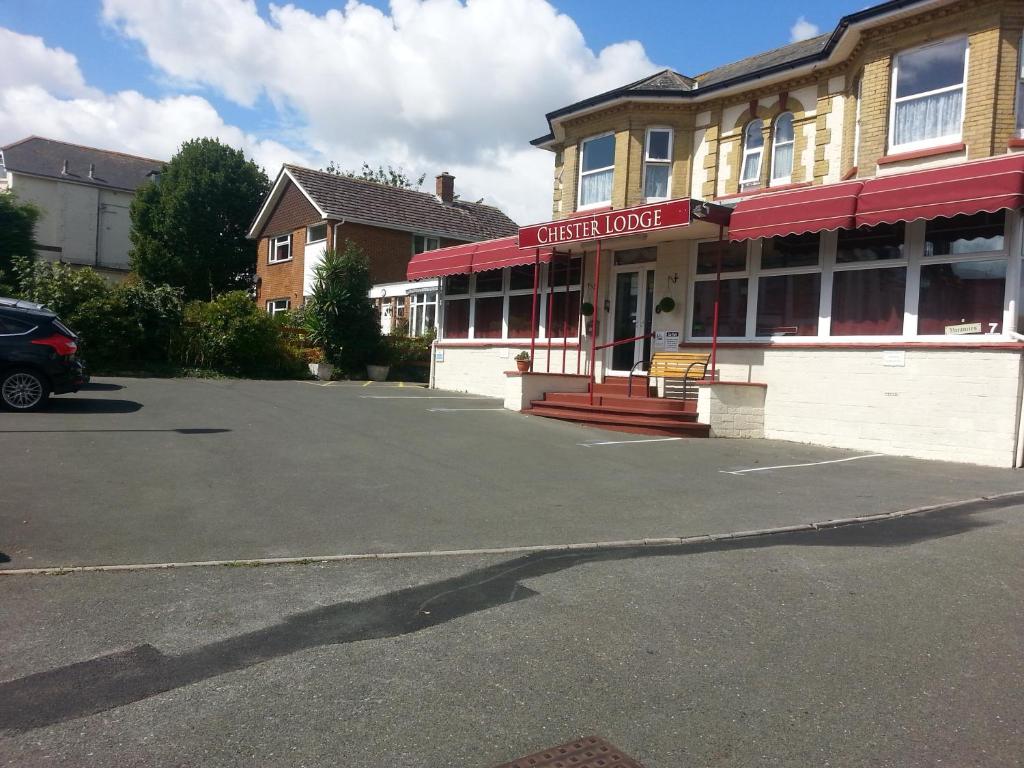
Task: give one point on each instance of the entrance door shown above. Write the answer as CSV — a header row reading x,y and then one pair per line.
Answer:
x,y
632,315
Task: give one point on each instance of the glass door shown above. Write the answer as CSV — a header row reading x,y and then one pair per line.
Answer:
x,y
632,315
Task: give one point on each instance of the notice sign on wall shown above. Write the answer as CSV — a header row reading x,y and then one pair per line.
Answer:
x,y
963,329
666,341
628,221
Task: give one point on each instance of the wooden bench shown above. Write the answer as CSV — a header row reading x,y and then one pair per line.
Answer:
x,y
679,365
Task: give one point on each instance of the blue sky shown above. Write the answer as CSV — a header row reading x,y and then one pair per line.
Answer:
x,y
134,49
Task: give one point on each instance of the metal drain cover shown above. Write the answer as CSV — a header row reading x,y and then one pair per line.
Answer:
x,y
589,752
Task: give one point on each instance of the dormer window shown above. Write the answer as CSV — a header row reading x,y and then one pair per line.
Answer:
x,y
928,96
782,149
597,168
658,164
753,149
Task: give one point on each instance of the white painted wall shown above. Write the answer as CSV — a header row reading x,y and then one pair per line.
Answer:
x,y
481,370
949,405
90,226
313,255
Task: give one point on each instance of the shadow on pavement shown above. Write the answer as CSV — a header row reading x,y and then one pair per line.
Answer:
x,y
121,678
64,404
180,430
101,386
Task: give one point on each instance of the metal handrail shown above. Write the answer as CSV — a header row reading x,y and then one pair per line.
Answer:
x,y
624,341
629,384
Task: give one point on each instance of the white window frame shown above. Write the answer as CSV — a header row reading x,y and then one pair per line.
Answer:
x,y
579,192
774,180
430,243
696,277
273,309
831,266
751,183
658,162
309,233
418,303
544,291
938,141
1020,90
272,251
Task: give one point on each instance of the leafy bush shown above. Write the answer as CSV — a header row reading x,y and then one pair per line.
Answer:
x,y
59,286
17,233
129,327
232,335
340,316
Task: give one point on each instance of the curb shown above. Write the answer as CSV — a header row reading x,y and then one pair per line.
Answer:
x,y
519,550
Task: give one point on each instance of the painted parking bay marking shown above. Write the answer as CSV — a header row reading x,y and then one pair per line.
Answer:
x,y
794,466
453,410
629,442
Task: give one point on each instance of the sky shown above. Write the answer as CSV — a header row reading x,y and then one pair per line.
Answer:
x,y
425,85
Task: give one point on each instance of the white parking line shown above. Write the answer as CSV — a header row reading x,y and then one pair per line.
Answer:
x,y
627,442
794,466
425,397
451,410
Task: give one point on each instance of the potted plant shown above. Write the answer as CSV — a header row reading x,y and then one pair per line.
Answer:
x,y
523,361
320,370
667,304
586,309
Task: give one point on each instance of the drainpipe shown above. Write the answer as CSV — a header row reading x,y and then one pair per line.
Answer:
x,y
593,335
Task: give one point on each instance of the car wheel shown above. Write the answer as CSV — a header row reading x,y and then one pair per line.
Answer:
x,y
23,390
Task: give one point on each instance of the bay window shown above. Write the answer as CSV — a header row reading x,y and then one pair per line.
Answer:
x,y
498,303
789,286
963,276
597,169
657,164
753,148
783,140
869,281
928,95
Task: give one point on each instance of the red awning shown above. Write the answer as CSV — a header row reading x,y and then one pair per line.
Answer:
x,y
473,257
796,211
986,185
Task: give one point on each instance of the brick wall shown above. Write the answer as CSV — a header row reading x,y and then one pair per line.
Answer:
x,y
283,280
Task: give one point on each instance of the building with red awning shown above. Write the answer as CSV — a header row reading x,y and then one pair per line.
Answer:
x,y
822,243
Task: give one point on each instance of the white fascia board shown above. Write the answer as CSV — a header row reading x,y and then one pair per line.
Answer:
x,y
389,290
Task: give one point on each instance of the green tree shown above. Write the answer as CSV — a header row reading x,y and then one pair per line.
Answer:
x,y
340,315
189,224
390,176
17,232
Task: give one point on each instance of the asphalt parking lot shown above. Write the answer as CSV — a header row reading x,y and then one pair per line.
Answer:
x,y
895,644
152,471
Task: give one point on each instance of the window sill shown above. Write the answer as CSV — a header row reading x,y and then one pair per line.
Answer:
x,y
587,210
280,261
766,190
850,174
918,154
998,344
519,343
1016,143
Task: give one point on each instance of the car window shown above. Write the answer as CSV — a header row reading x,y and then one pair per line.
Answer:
x,y
63,328
9,327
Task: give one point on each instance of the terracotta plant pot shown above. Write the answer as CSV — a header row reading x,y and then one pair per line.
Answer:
x,y
523,365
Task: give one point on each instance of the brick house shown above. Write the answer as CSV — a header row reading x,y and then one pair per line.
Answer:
x,y
306,210
838,224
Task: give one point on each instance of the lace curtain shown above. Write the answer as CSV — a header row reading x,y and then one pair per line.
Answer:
x,y
928,117
596,187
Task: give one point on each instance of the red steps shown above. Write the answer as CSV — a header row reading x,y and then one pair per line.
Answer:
x,y
613,410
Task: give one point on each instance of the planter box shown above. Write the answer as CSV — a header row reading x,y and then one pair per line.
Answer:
x,y
378,372
322,371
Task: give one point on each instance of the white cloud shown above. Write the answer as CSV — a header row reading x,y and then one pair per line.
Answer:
x,y
803,29
27,61
43,92
432,84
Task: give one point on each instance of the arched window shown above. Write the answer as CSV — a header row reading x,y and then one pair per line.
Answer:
x,y
753,148
782,149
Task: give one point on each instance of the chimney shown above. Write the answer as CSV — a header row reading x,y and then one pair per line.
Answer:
x,y
446,187
64,169
92,169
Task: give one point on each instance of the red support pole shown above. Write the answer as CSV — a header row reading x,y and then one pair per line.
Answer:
x,y
565,308
593,333
533,312
547,326
582,320
718,301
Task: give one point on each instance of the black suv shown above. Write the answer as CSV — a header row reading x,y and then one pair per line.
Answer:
x,y
38,356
